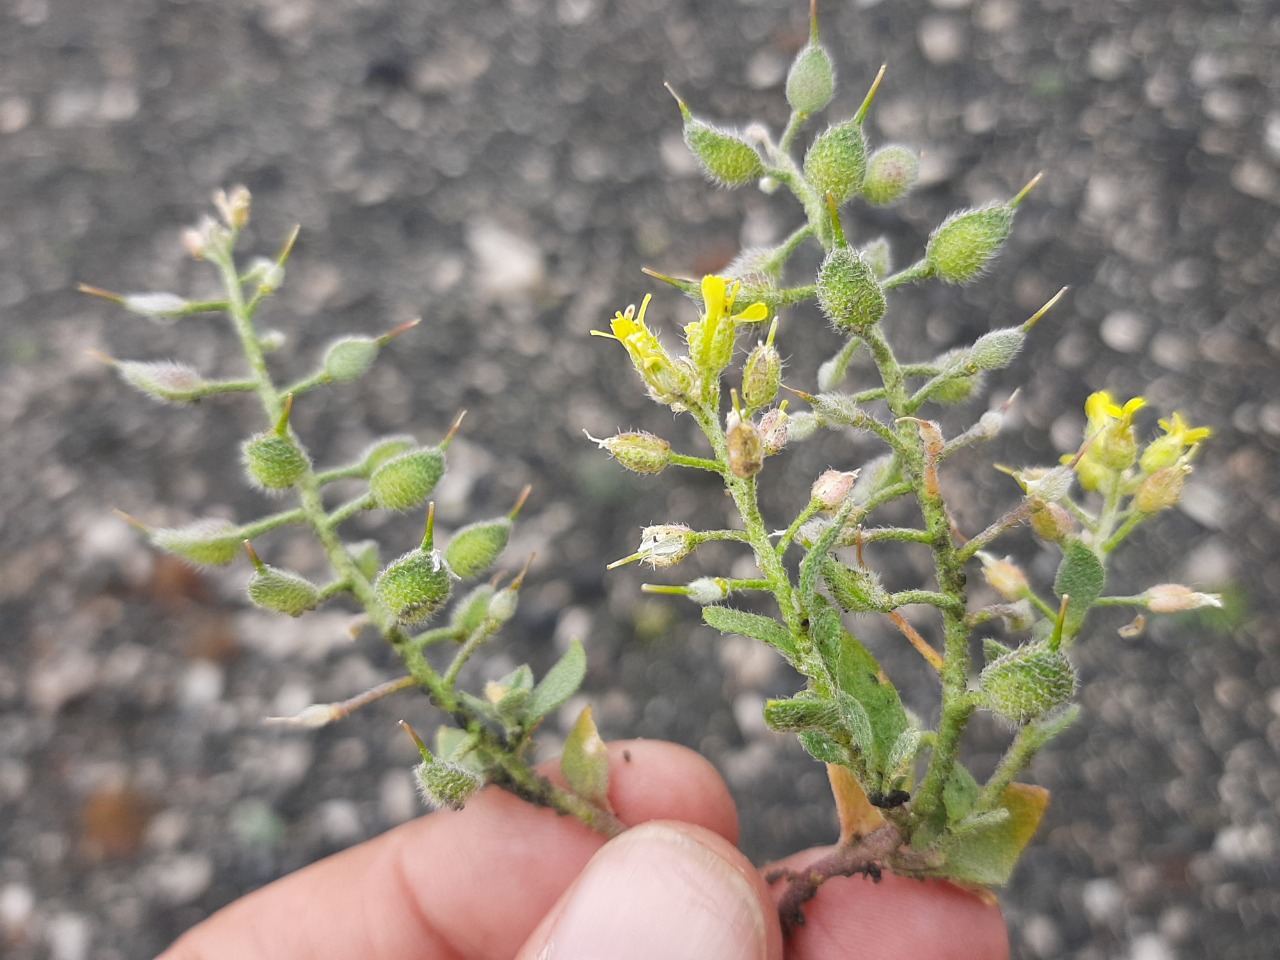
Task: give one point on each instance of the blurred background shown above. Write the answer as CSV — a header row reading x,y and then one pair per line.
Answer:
x,y
503,170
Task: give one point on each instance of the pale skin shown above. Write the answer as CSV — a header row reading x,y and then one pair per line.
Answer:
x,y
503,879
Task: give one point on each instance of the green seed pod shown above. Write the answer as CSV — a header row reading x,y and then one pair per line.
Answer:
x,y
855,589
386,449
212,541
274,589
878,257
414,586
163,380
801,713
725,157
274,461
349,358
469,613
404,481
446,785
637,450
891,172
996,350
706,590
476,546
1027,683
761,375
963,244
811,80
848,292
836,163
365,554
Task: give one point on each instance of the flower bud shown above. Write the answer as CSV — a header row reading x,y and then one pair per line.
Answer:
x,y
349,358
1161,490
725,156
811,80
414,586
163,380
476,546
1051,522
233,206
1175,598
445,785
761,375
832,488
212,541
744,446
963,244
274,589
855,589
273,460
1027,683
836,163
406,480
271,340
848,292
637,450
996,350
891,172
773,431
1004,577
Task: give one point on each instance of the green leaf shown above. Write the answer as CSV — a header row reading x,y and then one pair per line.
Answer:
x,y
821,747
987,851
560,683
765,629
1082,577
903,753
585,762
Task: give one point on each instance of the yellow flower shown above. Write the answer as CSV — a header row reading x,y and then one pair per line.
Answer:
x,y
1180,440
710,338
667,382
1103,411
1112,444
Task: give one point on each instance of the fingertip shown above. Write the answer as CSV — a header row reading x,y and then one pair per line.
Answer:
x,y
654,780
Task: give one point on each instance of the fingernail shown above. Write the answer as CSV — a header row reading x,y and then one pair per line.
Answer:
x,y
657,892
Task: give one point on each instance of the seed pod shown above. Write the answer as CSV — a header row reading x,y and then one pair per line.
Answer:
x,y
891,172
469,613
848,292
406,480
836,163
1004,577
274,589
1051,522
476,546
637,450
878,257
832,488
745,449
1027,683
163,380
349,358
385,449
212,541
726,158
811,80
773,431
445,785
416,585
963,244
996,350
1161,490
960,382
274,461
761,375
707,590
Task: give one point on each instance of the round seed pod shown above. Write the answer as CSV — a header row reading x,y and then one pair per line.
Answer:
x,y
891,172
476,546
406,480
836,162
446,785
386,449
725,157
283,592
1027,683
811,80
848,291
963,244
273,461
761,375
349,358
414,586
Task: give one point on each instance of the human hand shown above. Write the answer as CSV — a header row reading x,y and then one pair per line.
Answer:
x,y
505,879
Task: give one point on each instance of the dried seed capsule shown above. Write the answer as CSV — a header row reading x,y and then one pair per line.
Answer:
x,y
1027,683
963,244
848,291
891,172
745,448
406,480
836,163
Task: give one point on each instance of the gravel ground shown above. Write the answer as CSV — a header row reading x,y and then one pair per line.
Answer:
x,y
503,170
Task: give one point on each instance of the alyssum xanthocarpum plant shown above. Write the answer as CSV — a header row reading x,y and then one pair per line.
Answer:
x,y
905,800
491,736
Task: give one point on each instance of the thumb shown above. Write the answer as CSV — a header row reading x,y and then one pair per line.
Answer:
x,y
662,889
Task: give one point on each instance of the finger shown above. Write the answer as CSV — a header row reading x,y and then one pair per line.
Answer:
x,y
664,889
470,884
895,918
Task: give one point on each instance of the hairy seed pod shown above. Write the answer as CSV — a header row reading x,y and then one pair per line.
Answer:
x,y
855,589
414,586
349,358
995,350
406,480
283,592
836,162
212,541
1161,490
469,613
163,380
476,546
811,80
638,451
963,244
848,292
891,172
274,461
761,375
445,785
773,431
1027,683
726,158
386,449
